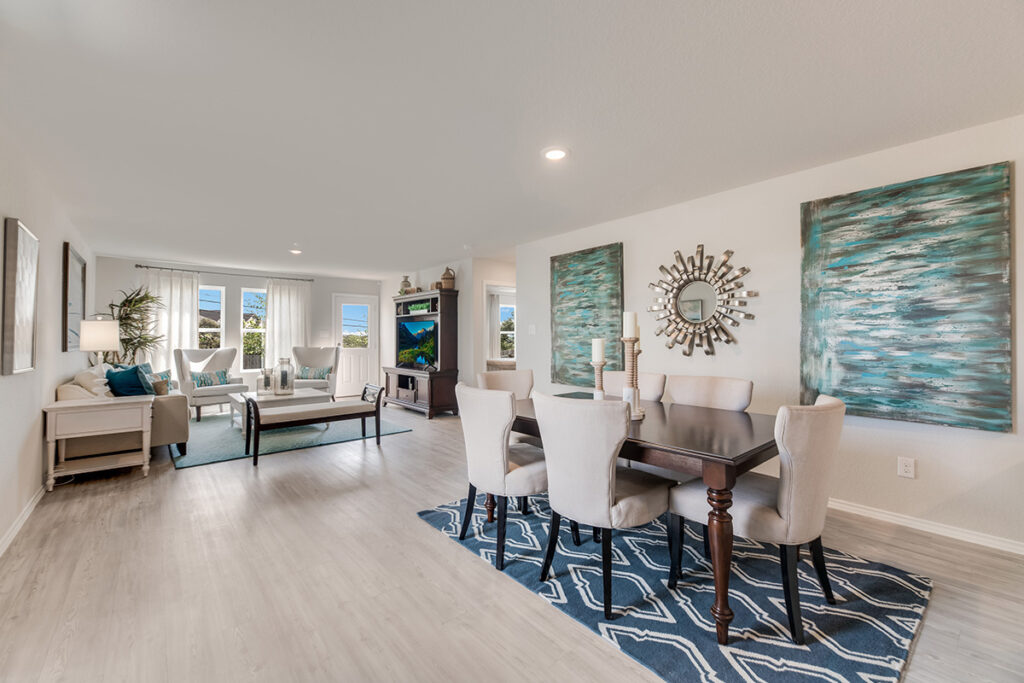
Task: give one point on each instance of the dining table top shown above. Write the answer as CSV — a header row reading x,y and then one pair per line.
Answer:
x,y
727,436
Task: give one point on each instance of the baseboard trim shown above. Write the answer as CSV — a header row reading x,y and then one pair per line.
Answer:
x,y
987,540
8,537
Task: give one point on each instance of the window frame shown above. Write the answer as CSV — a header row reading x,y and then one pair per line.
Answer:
x,y
220,328
243,330
512,332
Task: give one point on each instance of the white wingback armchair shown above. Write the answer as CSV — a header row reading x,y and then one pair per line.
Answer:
x,y
318,357
188,361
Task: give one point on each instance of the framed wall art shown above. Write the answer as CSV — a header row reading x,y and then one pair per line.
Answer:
x,y
21,283
73,297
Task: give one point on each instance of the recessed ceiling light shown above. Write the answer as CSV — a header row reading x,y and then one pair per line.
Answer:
x,y
295,249
555,153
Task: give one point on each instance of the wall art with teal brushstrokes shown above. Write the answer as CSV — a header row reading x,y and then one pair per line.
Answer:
x,y
906,300
586,304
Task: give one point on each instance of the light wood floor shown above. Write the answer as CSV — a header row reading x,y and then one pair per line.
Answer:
x,y
315,567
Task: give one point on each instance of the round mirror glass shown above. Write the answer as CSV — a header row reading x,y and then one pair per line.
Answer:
x,y
697,302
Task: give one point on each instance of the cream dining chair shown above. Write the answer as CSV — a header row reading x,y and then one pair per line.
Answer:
x,y
494,465
520,383
582,440
789,511
650,385
724,393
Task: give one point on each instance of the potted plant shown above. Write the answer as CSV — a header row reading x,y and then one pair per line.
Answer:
x,y
135,316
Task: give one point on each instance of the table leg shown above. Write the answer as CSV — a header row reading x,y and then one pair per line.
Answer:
x,y
146,441
51,453
489,506
720,481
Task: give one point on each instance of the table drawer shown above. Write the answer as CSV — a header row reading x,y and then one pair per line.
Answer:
x,y
98,421
407,395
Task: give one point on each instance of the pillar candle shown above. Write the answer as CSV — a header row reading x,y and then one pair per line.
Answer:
x,y
597,350
629,327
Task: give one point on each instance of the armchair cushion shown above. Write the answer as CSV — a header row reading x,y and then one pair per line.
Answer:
x,y
220,389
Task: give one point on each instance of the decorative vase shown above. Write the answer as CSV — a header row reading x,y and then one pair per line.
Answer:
x,y
448,278
405,284
265,383
284,377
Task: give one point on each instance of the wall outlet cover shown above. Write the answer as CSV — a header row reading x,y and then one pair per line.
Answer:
x,y
906,467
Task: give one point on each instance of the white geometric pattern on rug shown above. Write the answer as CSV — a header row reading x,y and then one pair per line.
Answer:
x,y
865,636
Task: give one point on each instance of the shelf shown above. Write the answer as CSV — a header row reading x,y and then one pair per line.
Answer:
x,y
96,463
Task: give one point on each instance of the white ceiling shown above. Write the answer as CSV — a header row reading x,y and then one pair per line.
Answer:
x,y
383,136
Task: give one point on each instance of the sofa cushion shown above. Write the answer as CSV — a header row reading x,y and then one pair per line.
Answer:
x,y
210,379
74,392
93,383
128,382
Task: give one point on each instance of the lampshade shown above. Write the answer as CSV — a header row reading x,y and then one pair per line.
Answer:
x,y
99,335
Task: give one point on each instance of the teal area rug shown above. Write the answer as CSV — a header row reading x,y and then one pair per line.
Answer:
x,y
216,439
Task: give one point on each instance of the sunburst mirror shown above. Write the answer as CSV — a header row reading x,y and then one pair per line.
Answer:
x,y
699,301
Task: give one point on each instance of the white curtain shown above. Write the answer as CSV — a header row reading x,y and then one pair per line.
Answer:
x,y
287,317
178,321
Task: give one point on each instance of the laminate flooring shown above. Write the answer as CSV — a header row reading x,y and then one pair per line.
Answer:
x,y
314,566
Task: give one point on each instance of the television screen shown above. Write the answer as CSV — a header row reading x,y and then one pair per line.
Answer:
x,y
417,342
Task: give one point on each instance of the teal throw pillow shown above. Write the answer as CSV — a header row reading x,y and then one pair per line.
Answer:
x,y
210,379
127,382
314,373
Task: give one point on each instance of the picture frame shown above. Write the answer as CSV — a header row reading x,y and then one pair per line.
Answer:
x,y
20,296
72,297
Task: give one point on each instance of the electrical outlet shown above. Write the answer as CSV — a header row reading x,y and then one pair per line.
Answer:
x,y
906,467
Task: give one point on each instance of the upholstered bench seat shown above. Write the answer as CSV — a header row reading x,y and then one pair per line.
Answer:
x,y
308,414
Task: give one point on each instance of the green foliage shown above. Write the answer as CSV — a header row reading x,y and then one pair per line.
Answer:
x,y
209,340
208,322
253,343
426,350
508,345
355,341
135,316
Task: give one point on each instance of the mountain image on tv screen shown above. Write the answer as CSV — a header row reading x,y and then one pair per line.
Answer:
x,y
417,342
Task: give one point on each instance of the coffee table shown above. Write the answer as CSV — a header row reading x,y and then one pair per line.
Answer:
x,y
301,396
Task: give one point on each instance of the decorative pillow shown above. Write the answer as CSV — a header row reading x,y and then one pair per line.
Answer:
x,y
314,373
127,382
73,392
93,383
159,386
210,379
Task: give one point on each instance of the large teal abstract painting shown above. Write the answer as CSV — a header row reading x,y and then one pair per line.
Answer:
x,y
906,300
586,304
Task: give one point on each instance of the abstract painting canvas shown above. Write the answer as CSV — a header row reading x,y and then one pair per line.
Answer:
x,y
906,300
21,268
586,304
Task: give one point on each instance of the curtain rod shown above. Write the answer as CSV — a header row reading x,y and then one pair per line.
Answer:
x,y
213,272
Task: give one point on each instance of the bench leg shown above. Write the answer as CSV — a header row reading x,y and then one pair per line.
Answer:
x,y
255,445
376,424
248,432
363,420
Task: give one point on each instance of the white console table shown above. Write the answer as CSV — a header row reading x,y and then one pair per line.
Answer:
x,y
71,419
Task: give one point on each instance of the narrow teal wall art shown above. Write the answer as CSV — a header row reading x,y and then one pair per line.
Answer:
x,y
906,300
586,304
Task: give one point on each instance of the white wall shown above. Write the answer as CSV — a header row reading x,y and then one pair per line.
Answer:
x,y
966,479
117,274
25,195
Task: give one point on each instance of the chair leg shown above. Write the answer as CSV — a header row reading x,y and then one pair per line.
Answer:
x,y
674,548
818,558
707,544
467,514
556,523
524,505
575,527
606,570
597,534
248,433
199,413
788,556
376,425
502,501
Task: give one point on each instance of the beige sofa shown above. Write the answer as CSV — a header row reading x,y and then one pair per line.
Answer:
x,y
170,417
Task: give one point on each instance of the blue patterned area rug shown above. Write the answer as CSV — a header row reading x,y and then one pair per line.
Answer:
x,y
865,636
217,439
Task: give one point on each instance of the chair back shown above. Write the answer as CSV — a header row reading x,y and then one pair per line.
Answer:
x,y
487,417
519,382
582,440
724,393
651,385
215,359
808,441
317,356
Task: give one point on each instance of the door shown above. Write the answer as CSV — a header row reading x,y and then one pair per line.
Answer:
x,y
356,331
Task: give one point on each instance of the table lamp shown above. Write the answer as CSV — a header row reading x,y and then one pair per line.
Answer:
x,y
99,336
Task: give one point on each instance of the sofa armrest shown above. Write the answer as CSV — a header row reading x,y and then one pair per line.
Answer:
x,y
170,420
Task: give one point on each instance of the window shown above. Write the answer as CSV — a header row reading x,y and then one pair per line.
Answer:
x,y
254,328
355,326
507,331
211,317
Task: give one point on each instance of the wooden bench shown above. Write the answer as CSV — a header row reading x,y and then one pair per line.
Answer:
x,y
368,405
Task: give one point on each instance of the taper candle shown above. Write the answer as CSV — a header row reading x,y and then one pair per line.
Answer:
x,y
597,350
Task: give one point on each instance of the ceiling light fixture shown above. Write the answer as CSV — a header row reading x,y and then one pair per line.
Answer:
x,y
555,153
295,249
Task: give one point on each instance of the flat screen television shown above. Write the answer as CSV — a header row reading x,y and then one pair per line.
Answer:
x,y
417,343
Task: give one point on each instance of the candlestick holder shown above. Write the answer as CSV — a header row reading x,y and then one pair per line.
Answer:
x,y
598,380
631,393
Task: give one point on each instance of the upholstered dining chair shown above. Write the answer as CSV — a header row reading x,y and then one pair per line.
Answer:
x,y
318,360
520,383
651,385
789,511
582,440
495,466
724,393
188,361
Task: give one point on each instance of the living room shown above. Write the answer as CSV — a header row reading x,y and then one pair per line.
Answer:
x,y
710,309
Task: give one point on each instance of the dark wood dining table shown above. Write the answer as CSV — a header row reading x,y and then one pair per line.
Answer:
x,y
716,445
